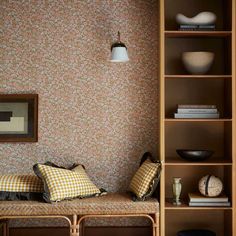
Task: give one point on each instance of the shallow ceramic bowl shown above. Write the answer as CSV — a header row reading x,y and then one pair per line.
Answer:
x,y
198,63
194,155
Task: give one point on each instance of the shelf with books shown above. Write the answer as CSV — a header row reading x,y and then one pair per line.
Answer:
x,y
190,182
184,206
193,92
182,34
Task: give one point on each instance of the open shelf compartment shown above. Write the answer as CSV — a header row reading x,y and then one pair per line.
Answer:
x,y
194,91
222,9
218,221
221,47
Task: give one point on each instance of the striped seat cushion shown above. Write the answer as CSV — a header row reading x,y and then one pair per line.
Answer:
x,y
20,187
61,184
145,179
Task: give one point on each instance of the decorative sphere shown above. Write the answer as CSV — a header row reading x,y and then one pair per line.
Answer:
x,y
210,186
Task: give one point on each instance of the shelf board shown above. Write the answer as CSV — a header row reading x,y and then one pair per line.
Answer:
x,y
211,162
185,206
181,34
198,120
198,76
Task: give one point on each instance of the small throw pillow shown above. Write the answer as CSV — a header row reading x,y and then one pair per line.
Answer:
x,y
145,180
61,184
20,187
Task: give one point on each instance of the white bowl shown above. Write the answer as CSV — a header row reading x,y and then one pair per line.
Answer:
x,y
198,63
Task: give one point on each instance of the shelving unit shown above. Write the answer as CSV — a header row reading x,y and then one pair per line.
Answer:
x,y
217,87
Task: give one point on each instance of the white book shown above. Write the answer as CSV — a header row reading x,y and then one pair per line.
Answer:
x,y
205,204
197,116
183,106
197,110
196,197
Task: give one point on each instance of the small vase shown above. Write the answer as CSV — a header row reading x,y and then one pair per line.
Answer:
x,y
176,187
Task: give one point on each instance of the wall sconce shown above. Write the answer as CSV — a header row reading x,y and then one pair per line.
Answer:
x,y
119,51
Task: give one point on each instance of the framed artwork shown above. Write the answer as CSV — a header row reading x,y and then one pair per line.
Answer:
x,y
18,117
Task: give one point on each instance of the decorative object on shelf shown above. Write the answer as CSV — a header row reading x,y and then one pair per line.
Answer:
x,y
210,186
202,18
18,117
198,63
194,155
176,188
119,51
196,232
196,199
197,112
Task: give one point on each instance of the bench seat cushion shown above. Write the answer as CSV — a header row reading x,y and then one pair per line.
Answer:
x,y
115,203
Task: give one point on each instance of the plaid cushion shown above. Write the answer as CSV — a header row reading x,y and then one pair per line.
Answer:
x,y
20,183
144,178
60,184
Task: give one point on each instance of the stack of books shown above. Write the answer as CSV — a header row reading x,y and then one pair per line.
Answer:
x,y
196,199
197,112
196,27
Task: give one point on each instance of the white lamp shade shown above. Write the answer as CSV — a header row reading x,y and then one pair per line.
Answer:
x,y
119,54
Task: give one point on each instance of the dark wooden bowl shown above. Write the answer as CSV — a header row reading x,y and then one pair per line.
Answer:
x,y
194,155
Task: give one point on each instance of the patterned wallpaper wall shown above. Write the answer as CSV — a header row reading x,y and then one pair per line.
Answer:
x,y
101,114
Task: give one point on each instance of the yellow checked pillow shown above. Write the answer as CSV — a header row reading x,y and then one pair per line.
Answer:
x,y
61,184
145,180
20,187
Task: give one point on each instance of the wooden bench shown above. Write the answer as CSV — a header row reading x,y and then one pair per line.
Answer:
x,y
77,210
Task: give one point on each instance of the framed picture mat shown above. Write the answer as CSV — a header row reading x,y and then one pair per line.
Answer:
x,y
18,117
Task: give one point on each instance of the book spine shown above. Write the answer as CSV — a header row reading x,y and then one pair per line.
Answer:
x,y
197,106
188,26
206,26
197,116
206,200
205,204
196,110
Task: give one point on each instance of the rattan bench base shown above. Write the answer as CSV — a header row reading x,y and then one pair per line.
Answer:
x,y
110,205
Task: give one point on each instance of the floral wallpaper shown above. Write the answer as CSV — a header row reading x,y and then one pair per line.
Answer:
x,y
91,111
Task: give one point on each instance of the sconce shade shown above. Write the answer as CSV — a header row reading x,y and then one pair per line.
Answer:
x,y
119,51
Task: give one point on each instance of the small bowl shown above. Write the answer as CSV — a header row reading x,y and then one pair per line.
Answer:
x,y
194,155
198,63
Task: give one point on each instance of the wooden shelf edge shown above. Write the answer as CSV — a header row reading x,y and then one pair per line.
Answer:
x,y
205,163
180,34
198,76
198,120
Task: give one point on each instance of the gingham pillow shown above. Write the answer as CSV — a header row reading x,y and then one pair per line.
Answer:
x,y
145,179
61,184
20,187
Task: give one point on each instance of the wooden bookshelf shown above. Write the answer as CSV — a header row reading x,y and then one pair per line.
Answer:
x,y
217,87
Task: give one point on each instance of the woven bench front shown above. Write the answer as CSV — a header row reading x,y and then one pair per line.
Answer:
x,y
115,203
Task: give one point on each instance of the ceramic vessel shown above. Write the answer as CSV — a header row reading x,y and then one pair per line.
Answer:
x,y
198,63
176,187
194,155
210,186
203,18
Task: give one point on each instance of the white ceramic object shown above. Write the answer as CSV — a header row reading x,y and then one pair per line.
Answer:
x,y
198,63
210,186
203,18
176,188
